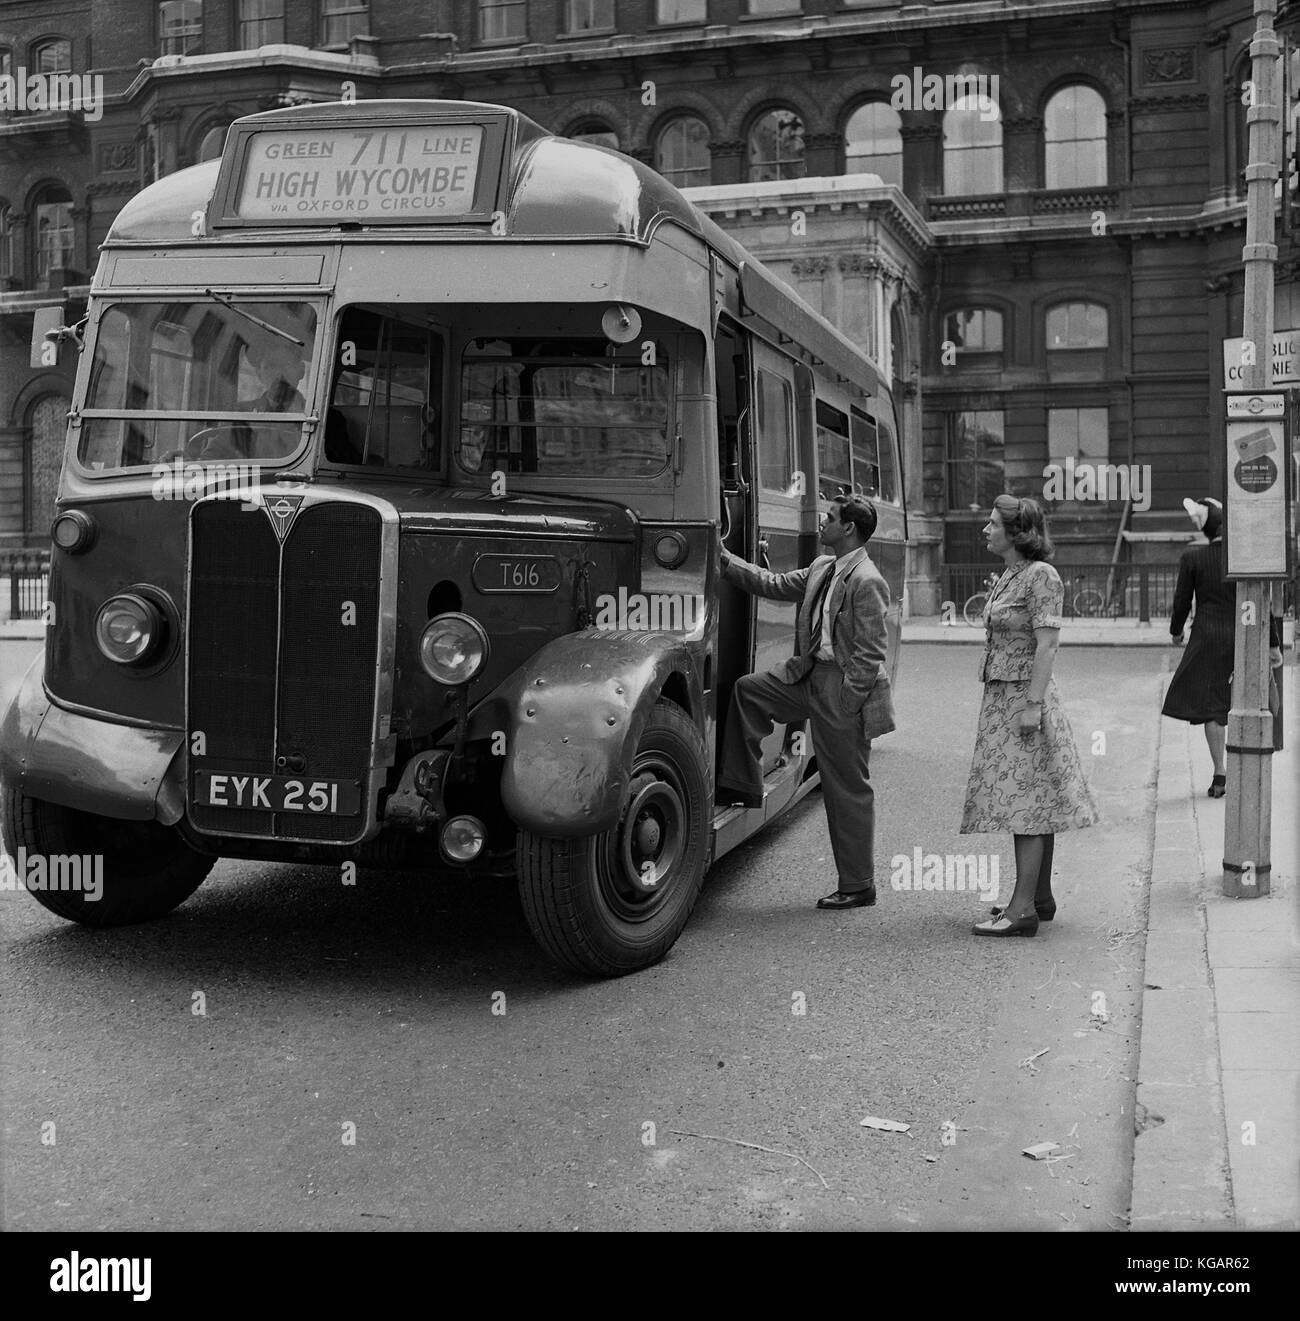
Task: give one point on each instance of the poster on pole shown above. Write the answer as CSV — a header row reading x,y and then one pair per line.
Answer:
x,y
1255,515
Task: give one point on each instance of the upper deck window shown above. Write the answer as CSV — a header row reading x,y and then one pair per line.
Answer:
x,y
563,408
195,363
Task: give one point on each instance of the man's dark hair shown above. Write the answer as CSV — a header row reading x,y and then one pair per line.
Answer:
x,y
859,511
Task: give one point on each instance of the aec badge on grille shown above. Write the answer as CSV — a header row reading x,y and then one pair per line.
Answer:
x,y
282,511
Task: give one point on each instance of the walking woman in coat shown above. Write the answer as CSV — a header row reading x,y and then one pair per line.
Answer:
x,y
1201,690
1025,777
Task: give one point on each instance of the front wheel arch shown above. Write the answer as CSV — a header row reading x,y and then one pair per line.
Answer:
x,y
599,904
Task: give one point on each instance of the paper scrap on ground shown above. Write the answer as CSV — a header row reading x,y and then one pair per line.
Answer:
x,y
885,1125
1041,1150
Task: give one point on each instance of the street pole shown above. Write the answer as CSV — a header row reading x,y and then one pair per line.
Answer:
x,y
1247,864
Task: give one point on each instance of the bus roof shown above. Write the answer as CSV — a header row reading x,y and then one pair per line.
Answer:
x,y
554,189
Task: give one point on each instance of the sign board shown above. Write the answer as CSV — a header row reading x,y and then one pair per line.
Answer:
x,y
373,163
1255,515
1284,359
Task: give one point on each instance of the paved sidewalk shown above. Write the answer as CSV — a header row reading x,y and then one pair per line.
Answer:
x,y
1218,1120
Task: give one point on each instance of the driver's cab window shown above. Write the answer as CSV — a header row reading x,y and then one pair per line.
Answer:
x,y
384,401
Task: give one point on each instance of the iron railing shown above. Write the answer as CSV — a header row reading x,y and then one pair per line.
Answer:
x,y
1143,592
28,572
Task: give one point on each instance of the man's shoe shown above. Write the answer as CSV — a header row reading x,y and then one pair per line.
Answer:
x,y
737,798
850,899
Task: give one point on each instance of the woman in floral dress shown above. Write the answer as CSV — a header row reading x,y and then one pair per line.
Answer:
x,y
1025,776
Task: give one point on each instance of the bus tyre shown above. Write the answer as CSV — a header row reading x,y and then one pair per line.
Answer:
x,y
146,868
611,903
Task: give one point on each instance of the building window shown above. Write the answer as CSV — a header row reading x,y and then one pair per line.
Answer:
x,y
502,20
1080,434
211,144
590,15
1077,326
52,56
6,62
594,131
773,6
6,243
974,330
873,143
682,152
261,23
976,463
681,11
1074,132
776,147
53,231
972,147
341,20
180,27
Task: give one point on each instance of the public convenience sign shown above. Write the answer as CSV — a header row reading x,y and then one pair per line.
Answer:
x,y
365,173
1256,512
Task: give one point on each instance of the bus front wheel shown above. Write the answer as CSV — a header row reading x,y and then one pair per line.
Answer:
x,y
94,869
615,902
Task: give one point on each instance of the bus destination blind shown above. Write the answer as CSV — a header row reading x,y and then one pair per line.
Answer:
x,y
381,173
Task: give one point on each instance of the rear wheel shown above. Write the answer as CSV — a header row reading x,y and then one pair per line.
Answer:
x,y
973,610
611,903
146,868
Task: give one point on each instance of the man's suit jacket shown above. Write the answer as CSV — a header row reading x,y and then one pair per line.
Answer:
x,y
858,636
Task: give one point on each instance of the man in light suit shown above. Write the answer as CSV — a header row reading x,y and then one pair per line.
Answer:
x,y
835,679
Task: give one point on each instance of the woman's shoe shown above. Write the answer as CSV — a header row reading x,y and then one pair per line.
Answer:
x,y
1045,911
1004,926
1218,786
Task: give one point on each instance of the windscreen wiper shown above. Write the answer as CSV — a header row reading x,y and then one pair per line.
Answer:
x,y
256,320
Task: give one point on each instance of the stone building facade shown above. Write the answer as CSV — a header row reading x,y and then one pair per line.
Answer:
x,y
1031,213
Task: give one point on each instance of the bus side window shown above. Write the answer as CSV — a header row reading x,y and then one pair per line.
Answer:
x,y
889,483
866,456
774,430
835,474
385,399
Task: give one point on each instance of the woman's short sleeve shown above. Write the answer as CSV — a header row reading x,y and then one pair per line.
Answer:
x,y
1044,596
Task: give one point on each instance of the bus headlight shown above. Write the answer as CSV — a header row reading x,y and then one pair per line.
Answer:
x,y
453,649
463,838
128,628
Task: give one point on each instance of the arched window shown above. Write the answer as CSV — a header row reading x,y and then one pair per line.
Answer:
x,y
595,131
1077,326
776,147
972,147
52,56
6,62
6,243
180,27
261,23
211,143
873,143
682,151
52,229
974,329
1074,135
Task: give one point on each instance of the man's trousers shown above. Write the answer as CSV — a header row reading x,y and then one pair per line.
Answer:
x,y
759,701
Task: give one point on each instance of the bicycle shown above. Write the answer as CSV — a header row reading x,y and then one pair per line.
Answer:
x,y
1088,603
973,611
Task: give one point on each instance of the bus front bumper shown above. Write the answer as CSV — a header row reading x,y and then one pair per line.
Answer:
x,y
129,772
